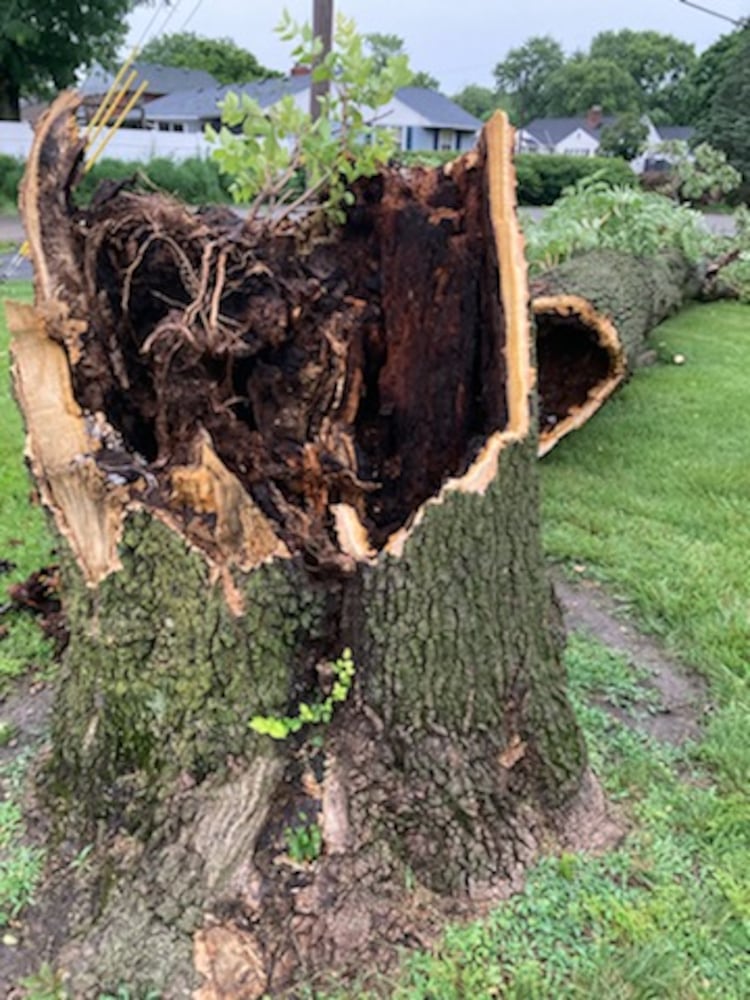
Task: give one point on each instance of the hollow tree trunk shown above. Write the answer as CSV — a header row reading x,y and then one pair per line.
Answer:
x,y
260,448
593,314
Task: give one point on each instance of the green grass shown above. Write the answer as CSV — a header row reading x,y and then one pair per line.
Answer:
x,y
652,496
24,538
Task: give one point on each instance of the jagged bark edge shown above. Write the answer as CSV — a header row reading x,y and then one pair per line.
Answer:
x,y
608,339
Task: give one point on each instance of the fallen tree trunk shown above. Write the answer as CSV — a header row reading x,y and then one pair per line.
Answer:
x,y
258,449
593,314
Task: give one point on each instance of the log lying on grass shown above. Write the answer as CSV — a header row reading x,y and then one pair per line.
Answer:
x,y
260,447
593,314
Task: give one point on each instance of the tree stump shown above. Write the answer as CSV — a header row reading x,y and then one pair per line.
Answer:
x,y
260,447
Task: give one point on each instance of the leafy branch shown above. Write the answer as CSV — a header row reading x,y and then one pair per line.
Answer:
x,y
265,151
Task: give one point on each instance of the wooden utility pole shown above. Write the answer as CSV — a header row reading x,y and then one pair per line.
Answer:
x,y
323,29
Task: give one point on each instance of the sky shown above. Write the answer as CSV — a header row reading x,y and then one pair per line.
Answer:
x,y
457,41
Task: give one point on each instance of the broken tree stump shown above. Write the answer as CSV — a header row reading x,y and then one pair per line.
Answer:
x,y
259,448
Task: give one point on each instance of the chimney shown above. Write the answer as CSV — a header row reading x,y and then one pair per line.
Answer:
x,y
299,70
594,116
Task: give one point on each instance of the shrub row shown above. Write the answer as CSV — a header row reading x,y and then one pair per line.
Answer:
x,y
541,178
195,180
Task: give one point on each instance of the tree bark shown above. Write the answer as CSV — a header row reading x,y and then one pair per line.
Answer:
x,y
259,449
593,314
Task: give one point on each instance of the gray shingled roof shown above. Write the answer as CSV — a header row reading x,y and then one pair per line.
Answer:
x,y
161,79
202,103
550,131
439,110
671,132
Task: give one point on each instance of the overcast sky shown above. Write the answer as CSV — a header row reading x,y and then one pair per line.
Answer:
x,y
458,41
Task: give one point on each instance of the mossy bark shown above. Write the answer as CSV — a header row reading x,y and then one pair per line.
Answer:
x,y
393,511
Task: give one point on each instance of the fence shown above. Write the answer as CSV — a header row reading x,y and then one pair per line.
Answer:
x,y
127,143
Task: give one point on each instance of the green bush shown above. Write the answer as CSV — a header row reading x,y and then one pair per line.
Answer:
x,y
542,177
196,181
11,171
424,157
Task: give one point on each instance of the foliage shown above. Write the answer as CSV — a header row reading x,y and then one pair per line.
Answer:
x,y
314,714
480,101
659,64
387,46
585,81
263,151
594,215
304,840
702,176
525,75
195,180
542,178
11,171
226,61
726,124
708,74
42,44
626,137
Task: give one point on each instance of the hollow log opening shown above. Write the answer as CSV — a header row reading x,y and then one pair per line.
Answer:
x,y
580,363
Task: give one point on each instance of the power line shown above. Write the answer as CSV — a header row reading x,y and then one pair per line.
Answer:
x,y
714,13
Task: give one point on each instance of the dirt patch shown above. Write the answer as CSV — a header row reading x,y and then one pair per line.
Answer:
x,y
684,697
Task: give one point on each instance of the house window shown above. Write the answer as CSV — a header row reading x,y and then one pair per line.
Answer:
x,y
446,139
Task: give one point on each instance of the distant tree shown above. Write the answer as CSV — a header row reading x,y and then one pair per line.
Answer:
x,y
659,64
384,46
625,137
525,73
583,82
225,61
707,75
42,44
481,101
726,126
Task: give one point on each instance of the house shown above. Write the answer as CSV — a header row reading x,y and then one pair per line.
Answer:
x,y
160,82
422,119
579,136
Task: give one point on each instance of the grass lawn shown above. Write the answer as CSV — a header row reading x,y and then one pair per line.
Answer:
x,y
651,498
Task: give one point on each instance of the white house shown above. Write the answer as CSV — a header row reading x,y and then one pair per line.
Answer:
x,y
422,119
579,136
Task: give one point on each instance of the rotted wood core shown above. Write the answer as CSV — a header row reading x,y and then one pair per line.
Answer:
x,y
580,362
333,375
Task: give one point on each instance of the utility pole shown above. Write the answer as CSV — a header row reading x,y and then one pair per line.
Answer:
x,y
323,29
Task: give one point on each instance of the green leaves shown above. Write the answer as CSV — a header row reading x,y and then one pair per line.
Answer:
x,y
280,160
311,715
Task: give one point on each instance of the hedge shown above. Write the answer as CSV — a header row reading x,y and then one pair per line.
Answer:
x,y
541,178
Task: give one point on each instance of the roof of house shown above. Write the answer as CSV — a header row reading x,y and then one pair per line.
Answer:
x,y
161,79
439,110
201,104
551,131
671,132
